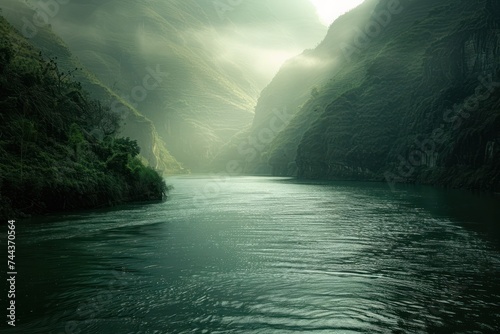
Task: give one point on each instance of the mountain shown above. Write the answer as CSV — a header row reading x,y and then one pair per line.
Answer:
x,y
297,79
209,54
136,125
59,148
410,94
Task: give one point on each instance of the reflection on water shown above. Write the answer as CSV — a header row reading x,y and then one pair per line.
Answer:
x,y
267,255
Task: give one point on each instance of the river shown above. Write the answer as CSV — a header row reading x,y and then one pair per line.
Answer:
x,y
265,255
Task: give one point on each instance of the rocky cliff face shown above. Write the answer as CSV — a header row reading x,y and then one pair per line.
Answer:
x,y
413,97
426,108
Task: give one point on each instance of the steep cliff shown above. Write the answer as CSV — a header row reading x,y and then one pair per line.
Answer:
x,y
134,124
298,79
425,105
413,98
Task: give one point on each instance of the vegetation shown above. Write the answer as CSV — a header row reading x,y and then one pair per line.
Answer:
x,y
418,107
134,123
298,80
211,87
59,149
417,102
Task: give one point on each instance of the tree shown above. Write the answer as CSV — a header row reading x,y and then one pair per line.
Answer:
x,y
127,146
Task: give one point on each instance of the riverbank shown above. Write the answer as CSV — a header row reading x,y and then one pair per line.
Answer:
x,y
60,149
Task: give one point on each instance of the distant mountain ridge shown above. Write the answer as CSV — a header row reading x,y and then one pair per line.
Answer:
x,y
293,85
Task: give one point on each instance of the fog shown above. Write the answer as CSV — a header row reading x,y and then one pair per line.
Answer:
x,y
218,56
255,34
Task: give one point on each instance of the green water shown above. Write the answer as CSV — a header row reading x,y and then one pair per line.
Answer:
x,y
266,255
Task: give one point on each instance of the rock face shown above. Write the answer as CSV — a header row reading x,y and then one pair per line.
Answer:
x,y
412,95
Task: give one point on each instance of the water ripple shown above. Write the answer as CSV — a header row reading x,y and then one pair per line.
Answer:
x,y
297,257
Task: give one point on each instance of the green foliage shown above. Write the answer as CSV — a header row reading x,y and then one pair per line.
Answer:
x,y
136,125
127,146
5,54
50,156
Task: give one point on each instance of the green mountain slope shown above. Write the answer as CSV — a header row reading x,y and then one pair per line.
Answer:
x,y
52,158
135,124
424,106
413,97
209,86
293,85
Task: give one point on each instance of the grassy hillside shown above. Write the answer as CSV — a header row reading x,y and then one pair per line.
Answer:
x,y
59,149
134,124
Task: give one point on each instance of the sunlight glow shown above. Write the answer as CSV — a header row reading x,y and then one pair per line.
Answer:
x,y
329,10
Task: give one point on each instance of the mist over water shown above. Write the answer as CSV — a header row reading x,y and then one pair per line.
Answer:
x,y
267,255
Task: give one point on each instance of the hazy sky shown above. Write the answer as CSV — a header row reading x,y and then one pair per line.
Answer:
x,y
329,10
265,46
257,36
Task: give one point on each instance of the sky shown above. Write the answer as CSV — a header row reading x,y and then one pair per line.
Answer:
x,y
258,36
281,35
329,10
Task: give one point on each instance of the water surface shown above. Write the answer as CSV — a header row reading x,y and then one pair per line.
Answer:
x,y
266,255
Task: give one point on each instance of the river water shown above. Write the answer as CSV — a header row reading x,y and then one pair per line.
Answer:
x,y
266,255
